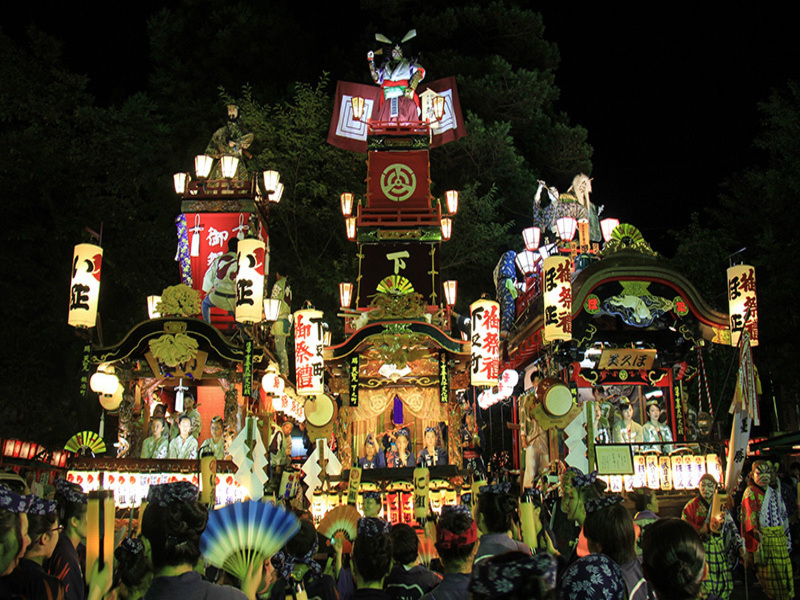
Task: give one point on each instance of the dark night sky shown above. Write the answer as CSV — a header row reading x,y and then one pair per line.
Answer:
x,y
668,97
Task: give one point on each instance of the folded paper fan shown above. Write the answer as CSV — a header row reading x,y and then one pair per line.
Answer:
x,y
427,551
86,440
342,519
242,534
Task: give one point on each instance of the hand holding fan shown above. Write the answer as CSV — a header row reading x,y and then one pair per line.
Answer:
x,y
244,534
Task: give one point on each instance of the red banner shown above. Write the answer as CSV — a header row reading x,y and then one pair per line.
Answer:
x,y
398,180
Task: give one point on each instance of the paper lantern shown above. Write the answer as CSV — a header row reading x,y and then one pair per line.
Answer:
x,y
607,226
152,303
557,291
450,291
652,471
451,198
272,309
485,360
742,303
111,402
665,472
271,181
713,467
250,281
357,103
447,228
202,165
228,165
531,236
100,514
179,182
526,261
639,471
84,288
345,294
438,107
566,227
422,478
277,194
272,383
309,366
346,202
350,226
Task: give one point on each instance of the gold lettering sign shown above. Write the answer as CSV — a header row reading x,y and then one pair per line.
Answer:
x,y
626,358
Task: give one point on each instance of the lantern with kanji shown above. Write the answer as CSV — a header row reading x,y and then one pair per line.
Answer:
x,y
84,288
557,292
309,367
250,281
485,359
742,305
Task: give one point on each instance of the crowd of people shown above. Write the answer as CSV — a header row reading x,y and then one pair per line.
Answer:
x,y
614,552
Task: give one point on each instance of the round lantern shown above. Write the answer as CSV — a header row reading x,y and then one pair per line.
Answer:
x,y
111,402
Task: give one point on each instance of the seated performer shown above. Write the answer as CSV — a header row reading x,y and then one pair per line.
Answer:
x,y
627,430
399,455
373,456
185,445
654,430
432,454
157,445
215,445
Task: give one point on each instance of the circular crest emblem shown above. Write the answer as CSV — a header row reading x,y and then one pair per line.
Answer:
x,y
398,182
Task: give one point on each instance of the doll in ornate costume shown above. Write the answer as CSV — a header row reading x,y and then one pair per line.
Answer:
x,y
471,445
654,430
766,532
627,430
398,77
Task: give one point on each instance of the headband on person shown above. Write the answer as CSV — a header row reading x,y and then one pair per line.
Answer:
x,y
372,495
447,539
40,506
164,494
593,576
596,504
491,578
582,480
404,432
466,499
65,489
372,527
431,430
285,561
495,488
457,508
132,545
13,502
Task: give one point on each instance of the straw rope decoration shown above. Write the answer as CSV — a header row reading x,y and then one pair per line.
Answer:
x,y
243,534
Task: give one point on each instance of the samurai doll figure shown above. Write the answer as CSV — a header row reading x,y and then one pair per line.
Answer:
x,y
398,77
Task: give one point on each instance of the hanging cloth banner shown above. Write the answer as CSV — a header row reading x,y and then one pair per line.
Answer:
x,y
444,380
557,293
309,365
353,376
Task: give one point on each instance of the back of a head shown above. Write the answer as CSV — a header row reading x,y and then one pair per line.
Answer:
x,y
69,502
174,532
303,540
593,577
673,559
372,556
454,550
514,576
612,528
405,544
132,564
497,511
641,498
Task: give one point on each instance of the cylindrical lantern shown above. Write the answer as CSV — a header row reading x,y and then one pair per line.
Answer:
x,y
526,261
607,226
742,303
357,102
485,319
208,480
272,383
202,165
528,520
228,165
250,281
84,287
345,294
100,514
665,472
713,466
447,228
152,303
346,202
272,309
652,471
531,236
277,194
557,292
566,228
179,181
350,225
451,196
271,180
438,107
309,366
450,291
422,478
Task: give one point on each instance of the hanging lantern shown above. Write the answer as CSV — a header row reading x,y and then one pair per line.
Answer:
x,y
228,165
272,383
100,513
84,288
152,303
438,107
451,196
103,382
250,281
531,236
271,180
345,294
652,471
679,474
111,402
665,472
350,224
272,309
526,261
485,319
742,303
450,291
607,226
566,228
713,467
557,290
357,103
309,366
179,181
346,201
276,196
447,228
202,165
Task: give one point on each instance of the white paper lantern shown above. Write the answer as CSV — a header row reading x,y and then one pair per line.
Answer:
x,y
308,344
741,299
84,287
557,293
250,281
485,363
